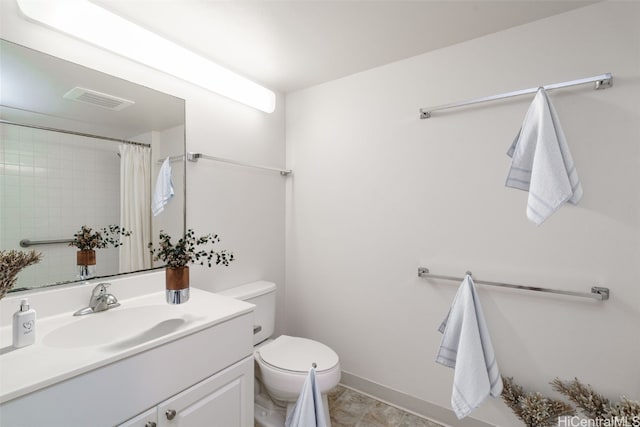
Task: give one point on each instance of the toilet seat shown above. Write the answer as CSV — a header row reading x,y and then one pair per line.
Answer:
x,y
296,355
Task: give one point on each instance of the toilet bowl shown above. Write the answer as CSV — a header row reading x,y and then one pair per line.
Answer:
x,y
283,363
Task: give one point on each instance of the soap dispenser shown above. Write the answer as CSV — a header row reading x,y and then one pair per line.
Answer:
x,y
24,325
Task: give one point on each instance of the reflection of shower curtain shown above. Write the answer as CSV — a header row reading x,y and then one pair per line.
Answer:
x,y
135,206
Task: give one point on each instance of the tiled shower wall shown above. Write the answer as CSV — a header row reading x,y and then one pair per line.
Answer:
x,y
50,185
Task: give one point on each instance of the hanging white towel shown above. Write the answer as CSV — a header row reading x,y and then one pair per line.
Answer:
x,y
309,410
164,188
541,162
466,347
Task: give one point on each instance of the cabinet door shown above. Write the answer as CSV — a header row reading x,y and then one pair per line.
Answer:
x,y
146,419
222,400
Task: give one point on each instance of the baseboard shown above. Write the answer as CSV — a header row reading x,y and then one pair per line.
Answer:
x,y
408,403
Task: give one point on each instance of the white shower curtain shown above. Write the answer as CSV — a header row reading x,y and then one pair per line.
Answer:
x,y
135,206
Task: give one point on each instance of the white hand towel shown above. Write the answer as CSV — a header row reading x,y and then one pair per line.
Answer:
x,y
541,162
164,188
466,347
309,410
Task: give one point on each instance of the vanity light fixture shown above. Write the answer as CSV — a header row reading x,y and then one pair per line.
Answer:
x,y
91,23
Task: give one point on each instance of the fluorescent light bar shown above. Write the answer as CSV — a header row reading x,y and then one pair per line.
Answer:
x,y
91,23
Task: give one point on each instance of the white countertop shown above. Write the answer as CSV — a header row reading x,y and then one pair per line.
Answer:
x,y
63,348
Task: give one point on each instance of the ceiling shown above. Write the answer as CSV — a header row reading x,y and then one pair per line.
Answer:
x,y
284,45
32,96
292,44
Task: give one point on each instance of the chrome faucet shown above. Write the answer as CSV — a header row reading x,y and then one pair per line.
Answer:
x,y
100,300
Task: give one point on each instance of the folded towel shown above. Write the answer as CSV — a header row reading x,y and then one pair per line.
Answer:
x,y
164,188
541,162
466,347
309,410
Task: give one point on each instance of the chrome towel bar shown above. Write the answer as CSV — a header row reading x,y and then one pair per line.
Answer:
x,y
172,159
193,157
602,81
597,292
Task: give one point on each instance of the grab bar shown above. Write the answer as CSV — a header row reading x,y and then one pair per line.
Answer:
x,y
25,243
597,292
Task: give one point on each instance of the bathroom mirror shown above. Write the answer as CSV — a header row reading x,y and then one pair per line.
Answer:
x,y
82,148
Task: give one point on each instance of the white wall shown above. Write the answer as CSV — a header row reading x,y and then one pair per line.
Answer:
x,y
378,193
244,207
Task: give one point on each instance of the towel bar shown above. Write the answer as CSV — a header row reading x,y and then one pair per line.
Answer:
x,y
597,292
602,81
171,159
193,157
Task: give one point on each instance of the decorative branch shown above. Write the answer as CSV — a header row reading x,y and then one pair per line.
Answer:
x,y
625,409
534,409
11,263
595,405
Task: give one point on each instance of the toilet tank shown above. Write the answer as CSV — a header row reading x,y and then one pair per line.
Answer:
x,y
263,295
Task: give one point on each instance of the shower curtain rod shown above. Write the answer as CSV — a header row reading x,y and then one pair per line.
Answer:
x,y
193,157
597,292
602,81
71,132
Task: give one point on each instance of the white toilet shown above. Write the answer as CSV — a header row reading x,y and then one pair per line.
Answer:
x,y
283,363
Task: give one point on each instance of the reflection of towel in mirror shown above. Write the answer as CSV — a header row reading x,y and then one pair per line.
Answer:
x,y
164,188
309,410
541,162
466,347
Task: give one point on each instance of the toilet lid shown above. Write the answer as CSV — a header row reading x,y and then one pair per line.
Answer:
x,y
298,354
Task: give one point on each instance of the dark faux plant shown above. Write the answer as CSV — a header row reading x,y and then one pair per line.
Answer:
x,y
189,250
86,238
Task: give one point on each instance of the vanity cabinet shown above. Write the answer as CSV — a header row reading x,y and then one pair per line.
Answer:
x,y
219,401
205,375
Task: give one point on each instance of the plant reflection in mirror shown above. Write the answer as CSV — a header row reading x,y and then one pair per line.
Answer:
x,y
86,238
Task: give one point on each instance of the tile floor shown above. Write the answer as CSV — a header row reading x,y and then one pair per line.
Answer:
x,y
349,408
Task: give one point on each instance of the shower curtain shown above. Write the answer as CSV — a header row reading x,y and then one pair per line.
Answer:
x,y
135,206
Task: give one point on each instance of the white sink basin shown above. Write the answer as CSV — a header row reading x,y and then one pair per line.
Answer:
x,y
118,327
67,345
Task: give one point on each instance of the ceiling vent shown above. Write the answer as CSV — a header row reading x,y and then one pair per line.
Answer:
x,y
99,99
